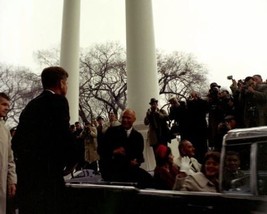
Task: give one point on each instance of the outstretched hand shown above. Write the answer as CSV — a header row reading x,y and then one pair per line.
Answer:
x,y
186,165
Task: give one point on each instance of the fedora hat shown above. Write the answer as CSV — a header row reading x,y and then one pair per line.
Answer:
x,y
153,100
214,84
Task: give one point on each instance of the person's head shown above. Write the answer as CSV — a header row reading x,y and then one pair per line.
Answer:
x,y
112,116
128,118
232,161
153,103
194,95
211,164
173,101
4,104
186,148
214,85
214,90
230,101
100,120
87,124
230,121
163,155
257,78
55,78
72,128
77,125
224,94
249,81
94,122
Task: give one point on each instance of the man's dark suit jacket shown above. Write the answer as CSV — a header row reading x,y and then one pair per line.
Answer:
x,y
117,167
43,145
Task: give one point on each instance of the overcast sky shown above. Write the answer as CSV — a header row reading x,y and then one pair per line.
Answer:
x,y
228,36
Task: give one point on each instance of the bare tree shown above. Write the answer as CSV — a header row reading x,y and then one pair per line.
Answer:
x,y
179,74
21,86
47,57
103,82
103,78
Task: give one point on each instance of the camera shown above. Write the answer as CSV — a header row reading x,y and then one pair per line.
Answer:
x,y
230,77
87,129
214,91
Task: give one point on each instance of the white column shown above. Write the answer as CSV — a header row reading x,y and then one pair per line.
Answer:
x,y
142,77
69,54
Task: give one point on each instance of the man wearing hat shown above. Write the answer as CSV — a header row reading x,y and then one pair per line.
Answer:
x,y
158,131
214,84
215,114
153,101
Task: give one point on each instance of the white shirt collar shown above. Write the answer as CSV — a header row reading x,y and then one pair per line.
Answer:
x,y
129,131
50,91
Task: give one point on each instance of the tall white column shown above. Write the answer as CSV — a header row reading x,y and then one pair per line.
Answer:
x,y
69,54
142,77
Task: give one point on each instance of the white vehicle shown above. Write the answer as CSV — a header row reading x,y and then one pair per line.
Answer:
x,y
245,194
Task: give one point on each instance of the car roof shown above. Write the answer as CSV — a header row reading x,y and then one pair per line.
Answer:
x,y
245,133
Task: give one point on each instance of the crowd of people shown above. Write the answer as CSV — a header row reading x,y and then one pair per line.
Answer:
x,y
44,146
204,120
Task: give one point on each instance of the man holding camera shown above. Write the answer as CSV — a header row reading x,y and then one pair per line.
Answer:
x,y
253,98
215,112
158,131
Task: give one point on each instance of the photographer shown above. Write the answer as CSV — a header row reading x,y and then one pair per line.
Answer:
x,y
213,92
158,132
178,114
215,112
197,109
89,136
253,98
236,88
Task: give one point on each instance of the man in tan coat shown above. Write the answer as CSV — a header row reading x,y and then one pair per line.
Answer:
x,y
156,119
186,149
8,177
89,136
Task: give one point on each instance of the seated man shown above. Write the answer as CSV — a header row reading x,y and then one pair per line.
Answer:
x,y
123,153
232,171
186,149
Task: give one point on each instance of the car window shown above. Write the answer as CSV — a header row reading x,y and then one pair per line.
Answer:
x,y
262,168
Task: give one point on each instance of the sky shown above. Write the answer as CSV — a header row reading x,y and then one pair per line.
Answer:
x,y
228,36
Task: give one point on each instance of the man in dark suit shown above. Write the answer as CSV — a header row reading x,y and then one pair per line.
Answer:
x,y
43,146
123,155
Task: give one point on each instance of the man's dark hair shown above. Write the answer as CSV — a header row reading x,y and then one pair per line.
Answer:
x,y
257,75
232,153
4,95
248,78
99,118
51,76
